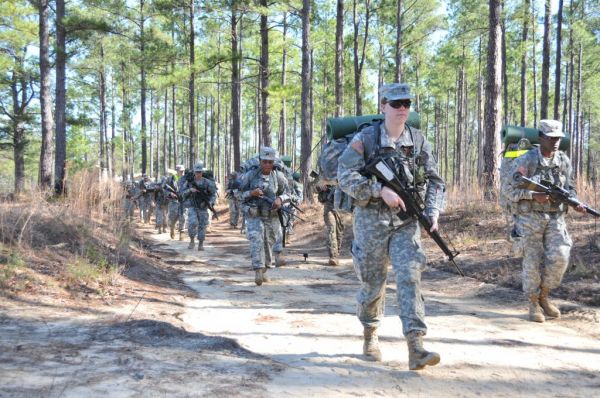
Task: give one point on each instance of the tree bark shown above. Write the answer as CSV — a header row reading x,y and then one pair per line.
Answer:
x,y
143,88
493,101
524,36
265,119
305,125
235,90
359,55
557,75
339,59
546,62
45,169
283,116
60,160
398,69
192,95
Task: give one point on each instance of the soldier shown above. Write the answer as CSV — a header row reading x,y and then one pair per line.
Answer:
x,y
233,187
145,198
201,193
129,201
263,192
297,195
160,199
539,222
333,220
380,235
174,187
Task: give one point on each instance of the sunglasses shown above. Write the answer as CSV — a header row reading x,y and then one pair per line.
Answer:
x,y
400,103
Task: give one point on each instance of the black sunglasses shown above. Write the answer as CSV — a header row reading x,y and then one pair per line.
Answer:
x,y
399,103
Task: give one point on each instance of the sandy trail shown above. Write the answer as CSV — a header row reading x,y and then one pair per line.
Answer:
x,y
296,335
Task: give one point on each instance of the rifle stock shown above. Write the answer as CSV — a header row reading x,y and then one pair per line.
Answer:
x,y
203,195
414,207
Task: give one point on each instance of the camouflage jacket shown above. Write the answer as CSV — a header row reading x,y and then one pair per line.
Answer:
x,y
413,149
273,185
534,166
193,199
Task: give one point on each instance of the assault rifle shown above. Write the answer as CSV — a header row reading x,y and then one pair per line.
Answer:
x,y
169,188
202,194
556,193
384,169
284,210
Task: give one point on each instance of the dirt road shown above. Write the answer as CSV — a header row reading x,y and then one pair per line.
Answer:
x,y
296,335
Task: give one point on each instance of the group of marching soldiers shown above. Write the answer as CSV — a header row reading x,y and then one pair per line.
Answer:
x,y
191,195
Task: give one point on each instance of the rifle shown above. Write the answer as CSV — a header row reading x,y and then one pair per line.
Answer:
x,y
203,196
556,193
172,190
383,168
282,208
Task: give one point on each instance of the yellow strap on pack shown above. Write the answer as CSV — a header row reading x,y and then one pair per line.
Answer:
x,y
515,154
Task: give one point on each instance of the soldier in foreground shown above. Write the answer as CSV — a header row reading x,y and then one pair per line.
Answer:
x,y
540,222
380,235
201,194
263,192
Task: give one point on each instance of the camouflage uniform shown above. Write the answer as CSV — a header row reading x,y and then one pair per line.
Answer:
x,y
175,207
380,235
129,201
333,222
541,228
160,200
262,223
197,212
145,200
233,186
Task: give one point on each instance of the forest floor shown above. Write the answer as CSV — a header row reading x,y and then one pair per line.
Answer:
x,y
179,322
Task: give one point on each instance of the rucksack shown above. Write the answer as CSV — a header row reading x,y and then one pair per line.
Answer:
x,y
511,153
328,166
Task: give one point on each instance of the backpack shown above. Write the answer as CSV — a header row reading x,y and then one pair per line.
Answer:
x,y
328,166
511,153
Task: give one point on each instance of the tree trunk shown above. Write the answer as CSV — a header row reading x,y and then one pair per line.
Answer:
x,y
166,163
493,104
305,125
192,95
103,123
557,75
60,160
235,90
398,69
359,56
265,119
339,59
546,62
504,68
534,66
283,116
143,88
45,169
524,35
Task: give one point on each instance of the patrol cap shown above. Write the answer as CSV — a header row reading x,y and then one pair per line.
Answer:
x,y
287,160
395,91
551,128
296,176
180,167
199,167
267,153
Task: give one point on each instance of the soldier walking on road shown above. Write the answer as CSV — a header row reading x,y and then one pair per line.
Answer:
x,y
333,221
201,194
540,224
380,235
263,192
232,195
174,189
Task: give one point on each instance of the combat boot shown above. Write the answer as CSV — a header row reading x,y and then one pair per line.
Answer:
x,y
549,309
264,275
200,245
172,232
419,357
181,235
191,245
279,260
333,262
258,276
371,344
164,229
535,311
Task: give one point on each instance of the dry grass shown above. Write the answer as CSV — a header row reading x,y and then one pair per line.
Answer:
x,y
79,239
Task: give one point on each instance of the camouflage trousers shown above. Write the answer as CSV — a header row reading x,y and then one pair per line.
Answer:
x,y
374,246
234,211
197,223
176,213
146,208
262,233
546,246
128,207
161,214
335,229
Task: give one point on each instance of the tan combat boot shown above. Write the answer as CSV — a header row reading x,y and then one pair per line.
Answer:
x,y
549,309
200,245
419,357
333,262
371,344
172,232
535,311
258,276
191,245
279,260
264,275
181,235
